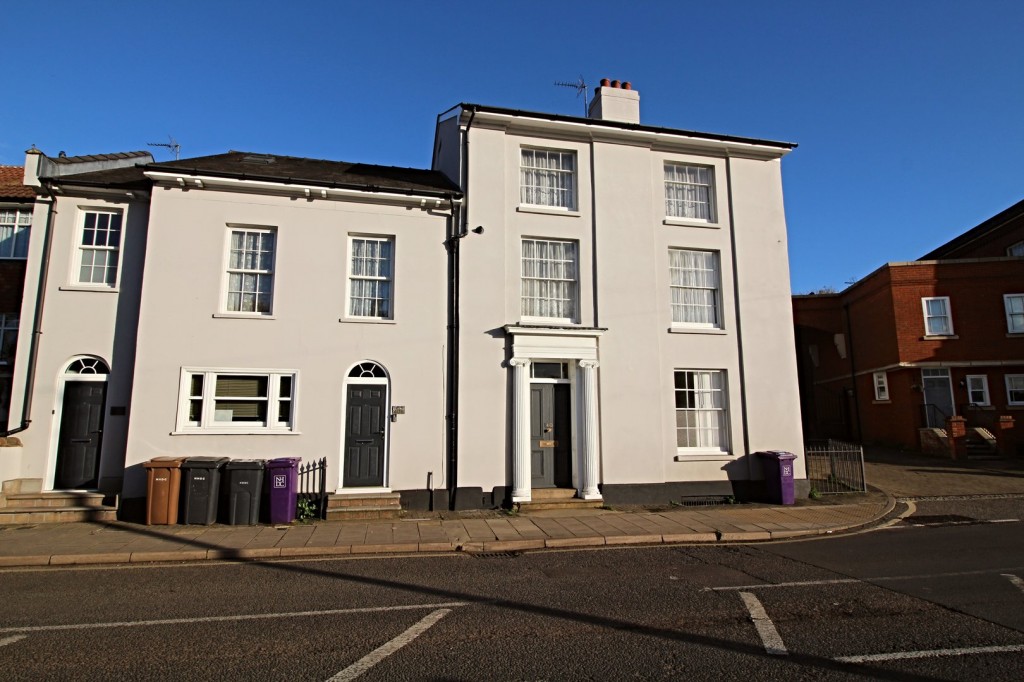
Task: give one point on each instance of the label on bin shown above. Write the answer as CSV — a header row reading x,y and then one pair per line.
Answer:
x,y
787,470
280,481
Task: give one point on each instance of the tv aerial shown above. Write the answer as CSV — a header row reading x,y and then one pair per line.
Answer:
x,y
580,86
170,144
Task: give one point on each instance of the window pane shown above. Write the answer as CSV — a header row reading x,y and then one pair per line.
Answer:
x,y
241,386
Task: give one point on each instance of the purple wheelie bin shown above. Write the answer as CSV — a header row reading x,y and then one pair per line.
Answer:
x,y
282,488
778,476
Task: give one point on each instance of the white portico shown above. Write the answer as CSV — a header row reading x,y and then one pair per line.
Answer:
x,y
555,438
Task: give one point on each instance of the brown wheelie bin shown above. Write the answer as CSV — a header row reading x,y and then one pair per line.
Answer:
x,y
163,483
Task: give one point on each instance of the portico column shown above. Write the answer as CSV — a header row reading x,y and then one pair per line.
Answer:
x,y
590,458
520,430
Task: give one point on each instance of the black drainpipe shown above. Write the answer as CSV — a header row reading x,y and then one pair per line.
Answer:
x,y
459,229
853,371
37,320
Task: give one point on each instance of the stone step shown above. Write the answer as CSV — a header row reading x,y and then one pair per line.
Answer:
x,y
34,515
537,494
363,513
544,505
365,500
51,500
21,485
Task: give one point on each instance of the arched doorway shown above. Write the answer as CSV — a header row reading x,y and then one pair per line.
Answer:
x,y
81,402
364,460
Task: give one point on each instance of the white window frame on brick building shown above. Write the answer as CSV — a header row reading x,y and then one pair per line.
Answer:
x,y
15,224
1015,389
1015,249
1014,304
881,383
977,390
938,318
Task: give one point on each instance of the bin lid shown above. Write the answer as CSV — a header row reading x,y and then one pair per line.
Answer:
x,y
203,462
164,463
776,454
244,464
283,462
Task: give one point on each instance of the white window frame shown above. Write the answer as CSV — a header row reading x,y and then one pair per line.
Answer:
x,y
711,417
258,273
680,208
389,280
947,314
207,422
15,225
82,249
1015,250
700,280
1014,379
881,384
977,382
526,301
552,195
1014,306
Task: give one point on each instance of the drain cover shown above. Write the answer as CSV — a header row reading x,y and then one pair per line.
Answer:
x,y
495,555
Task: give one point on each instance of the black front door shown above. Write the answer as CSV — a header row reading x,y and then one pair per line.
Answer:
x,y
550,436
81,434
365,422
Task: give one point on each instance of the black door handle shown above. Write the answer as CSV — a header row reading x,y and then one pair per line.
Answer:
x,y
360,441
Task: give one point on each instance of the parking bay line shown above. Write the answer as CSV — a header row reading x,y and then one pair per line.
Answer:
x,y
934,653
11,640
223,619
380,653
1015,581
770,637
849,581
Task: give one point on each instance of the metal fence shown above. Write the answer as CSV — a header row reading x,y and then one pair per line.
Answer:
x,y
312,494
835,467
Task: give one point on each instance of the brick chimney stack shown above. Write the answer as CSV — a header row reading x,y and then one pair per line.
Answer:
x,y
615,101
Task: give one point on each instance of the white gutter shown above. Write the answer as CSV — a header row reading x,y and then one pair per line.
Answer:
x,y
190,181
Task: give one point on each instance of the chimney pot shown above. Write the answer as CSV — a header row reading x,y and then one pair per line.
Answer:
x,y
627,86
615,84
605,82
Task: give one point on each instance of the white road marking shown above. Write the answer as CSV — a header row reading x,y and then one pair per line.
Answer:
x,y
911,508
11,640
1017,582
934,653
880,579
380,653
222,619
770,637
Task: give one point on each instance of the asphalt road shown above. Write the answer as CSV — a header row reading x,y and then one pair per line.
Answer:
x,y
938,596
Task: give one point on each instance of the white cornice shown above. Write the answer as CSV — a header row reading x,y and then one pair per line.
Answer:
x,y
524,124
189,181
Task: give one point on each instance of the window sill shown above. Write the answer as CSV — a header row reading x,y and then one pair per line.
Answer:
x,y
548,210
881,402
716,456
1015,335
367,320
697,330
939,337
13,257
79,287
683,222
236,432
1015,406
548,321
243,316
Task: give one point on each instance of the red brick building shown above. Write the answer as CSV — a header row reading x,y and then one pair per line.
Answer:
x,y
16,206
896,355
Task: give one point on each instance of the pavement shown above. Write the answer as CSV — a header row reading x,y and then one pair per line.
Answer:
x,y
890,474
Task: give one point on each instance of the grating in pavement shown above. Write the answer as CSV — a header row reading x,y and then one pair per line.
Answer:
x,y
495,555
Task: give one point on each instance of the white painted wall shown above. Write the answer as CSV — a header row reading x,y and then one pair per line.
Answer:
x,y
185,267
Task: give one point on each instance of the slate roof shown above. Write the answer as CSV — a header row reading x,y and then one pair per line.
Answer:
x,y
624,126
97,157
317,172
11,187
950,248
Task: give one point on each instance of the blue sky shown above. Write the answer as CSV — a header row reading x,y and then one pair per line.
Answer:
x,y
909,114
